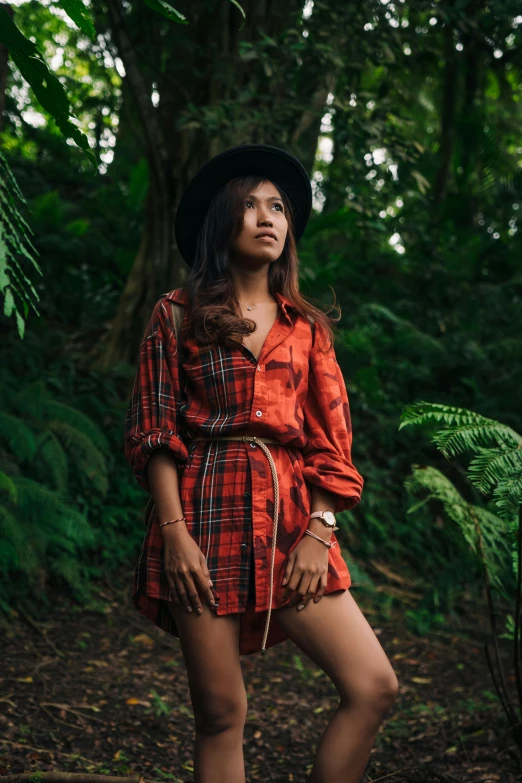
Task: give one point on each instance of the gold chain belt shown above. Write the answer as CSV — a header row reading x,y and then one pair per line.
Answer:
x,y
261,442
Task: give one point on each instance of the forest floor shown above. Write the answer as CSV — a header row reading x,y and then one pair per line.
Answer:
x,y
104,691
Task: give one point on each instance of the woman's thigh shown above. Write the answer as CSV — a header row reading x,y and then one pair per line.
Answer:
x,y
335,634
210,646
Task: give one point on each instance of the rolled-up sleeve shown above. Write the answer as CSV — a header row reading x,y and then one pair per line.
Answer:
x,y
327,425
153,415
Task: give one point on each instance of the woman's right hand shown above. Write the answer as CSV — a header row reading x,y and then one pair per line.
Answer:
x,y
186,569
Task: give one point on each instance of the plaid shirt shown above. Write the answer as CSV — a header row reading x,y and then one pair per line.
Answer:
x,y
293,392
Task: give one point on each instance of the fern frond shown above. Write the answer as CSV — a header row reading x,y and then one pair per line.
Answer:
x,y
489,466
53,513
7,485
486,533
507,496
75,528
423,412
14,241
90,460
407,327
67,568
8,465
79,421
54,458
463,430
31,400
18,436
474,436
14,533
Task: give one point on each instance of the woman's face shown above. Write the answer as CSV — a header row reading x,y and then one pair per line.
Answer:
x,y
265,226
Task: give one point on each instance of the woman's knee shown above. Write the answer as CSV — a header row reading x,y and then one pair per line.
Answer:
x,y
217,690
216,711
376,691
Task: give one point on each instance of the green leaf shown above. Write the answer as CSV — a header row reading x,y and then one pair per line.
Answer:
x,y
80,15
486,534
8,303
234,2
11,36
47,88
17,436
166,10
20,325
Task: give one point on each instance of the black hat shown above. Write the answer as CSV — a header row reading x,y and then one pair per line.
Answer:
x,y
277,165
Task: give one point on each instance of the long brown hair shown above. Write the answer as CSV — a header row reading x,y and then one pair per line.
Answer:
x,y
212,301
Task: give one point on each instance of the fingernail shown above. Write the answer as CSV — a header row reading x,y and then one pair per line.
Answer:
x,y
189,608
210,582
199,611
284,581
301,606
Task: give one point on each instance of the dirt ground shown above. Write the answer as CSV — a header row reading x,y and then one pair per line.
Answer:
x,y
104,691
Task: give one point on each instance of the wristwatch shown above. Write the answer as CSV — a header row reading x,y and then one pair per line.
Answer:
x,y
326,517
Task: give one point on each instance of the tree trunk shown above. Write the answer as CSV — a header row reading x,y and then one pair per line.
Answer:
x,y
448,115
218,87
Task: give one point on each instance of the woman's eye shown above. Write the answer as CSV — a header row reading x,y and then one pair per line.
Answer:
x,y
251,204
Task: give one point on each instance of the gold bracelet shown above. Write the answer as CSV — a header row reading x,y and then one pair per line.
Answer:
x,y
170,521
329,544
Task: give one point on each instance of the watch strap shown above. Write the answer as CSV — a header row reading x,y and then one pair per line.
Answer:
x,y
321,515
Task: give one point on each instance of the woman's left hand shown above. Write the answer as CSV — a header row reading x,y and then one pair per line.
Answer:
x,y
306,572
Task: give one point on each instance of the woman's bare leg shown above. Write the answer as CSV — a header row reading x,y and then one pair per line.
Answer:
x,y
336,636
210,647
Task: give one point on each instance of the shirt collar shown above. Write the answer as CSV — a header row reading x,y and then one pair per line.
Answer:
x,y
178,295
285,304
181,296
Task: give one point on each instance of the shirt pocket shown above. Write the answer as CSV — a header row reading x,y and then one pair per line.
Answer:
x,y
286,379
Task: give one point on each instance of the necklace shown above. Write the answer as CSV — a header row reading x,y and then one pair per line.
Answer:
x,y
257,305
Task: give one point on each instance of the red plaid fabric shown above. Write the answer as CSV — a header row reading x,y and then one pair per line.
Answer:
x,y
293,392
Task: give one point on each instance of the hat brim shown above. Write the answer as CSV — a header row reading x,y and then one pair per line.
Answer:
x,y
276,164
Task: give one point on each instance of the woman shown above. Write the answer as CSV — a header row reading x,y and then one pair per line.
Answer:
x,y
240,430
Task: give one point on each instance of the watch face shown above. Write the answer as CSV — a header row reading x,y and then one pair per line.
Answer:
x,y
329,518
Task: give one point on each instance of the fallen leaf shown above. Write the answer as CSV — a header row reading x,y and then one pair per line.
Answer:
x,y
142,638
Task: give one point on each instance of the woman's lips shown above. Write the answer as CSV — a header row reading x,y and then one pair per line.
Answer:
x,y
266,239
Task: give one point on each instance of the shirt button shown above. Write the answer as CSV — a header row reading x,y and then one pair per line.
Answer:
x,y
243,547
252,445
259,413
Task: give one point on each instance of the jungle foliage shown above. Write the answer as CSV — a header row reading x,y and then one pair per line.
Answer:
x,y
407,116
